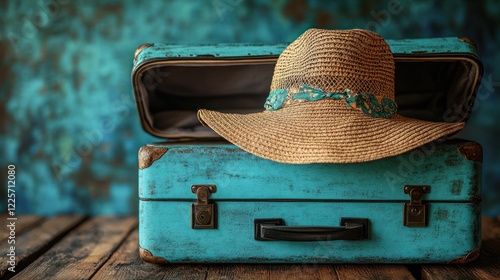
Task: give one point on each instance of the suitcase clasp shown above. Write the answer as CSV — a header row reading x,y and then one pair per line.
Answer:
x,y
415,212
203,212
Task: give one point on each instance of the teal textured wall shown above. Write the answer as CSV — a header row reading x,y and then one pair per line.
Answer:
x,y
67,116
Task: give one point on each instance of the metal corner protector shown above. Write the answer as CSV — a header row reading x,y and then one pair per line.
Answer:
x,y
149,154
148,257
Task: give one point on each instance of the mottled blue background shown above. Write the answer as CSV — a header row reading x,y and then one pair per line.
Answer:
x,y
67,116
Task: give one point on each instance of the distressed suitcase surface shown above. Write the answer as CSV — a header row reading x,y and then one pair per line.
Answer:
x,y
205,200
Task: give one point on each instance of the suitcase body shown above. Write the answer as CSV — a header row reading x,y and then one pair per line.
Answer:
x,y
205,200
249,188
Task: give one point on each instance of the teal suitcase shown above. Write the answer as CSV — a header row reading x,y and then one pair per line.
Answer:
x,y
203,200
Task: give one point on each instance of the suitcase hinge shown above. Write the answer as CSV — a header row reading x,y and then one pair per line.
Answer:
x,y
415,211
203,212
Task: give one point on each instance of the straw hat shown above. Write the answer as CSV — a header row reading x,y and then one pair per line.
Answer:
x,y
331,101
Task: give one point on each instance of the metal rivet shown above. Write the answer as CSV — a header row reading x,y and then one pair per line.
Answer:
x,y
202,193
416,194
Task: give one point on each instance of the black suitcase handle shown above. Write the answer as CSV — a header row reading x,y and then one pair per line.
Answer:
x,y
275,230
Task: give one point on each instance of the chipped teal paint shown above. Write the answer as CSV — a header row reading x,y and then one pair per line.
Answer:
x,y
239,174
432,46
326,192
368,103
218,51
165,230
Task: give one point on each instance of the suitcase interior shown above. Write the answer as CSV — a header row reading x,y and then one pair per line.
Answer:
x,y
169,91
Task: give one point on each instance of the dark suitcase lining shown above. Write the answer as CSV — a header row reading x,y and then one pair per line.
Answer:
x,y
433,89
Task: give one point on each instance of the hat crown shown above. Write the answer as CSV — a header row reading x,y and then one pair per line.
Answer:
x,y
336,60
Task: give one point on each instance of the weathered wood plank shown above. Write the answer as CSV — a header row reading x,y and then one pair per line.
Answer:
x,y
31,244
373,272
83,251
271,272
23,223
232,271
187,272
486,267
126,263
304,271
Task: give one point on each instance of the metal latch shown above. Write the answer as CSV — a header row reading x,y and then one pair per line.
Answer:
x,y
203,212
415,212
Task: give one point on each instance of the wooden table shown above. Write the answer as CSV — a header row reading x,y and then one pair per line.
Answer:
x,y
77,247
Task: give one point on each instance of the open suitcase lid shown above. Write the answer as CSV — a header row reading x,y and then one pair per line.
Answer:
x,y
436,80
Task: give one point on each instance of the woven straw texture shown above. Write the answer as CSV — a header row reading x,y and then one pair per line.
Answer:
x,y
328,131
334,60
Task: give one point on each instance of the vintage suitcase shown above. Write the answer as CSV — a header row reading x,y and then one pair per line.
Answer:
x,y
205,200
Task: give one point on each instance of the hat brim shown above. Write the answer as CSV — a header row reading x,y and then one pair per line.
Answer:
x,y
325,131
